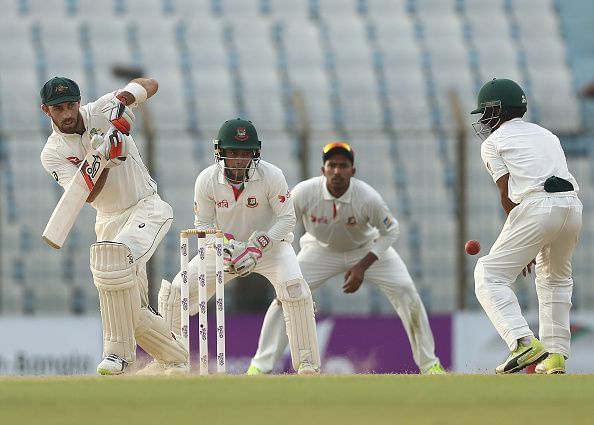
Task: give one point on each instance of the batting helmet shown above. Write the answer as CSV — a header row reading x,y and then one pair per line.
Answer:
x,y
237,134
499,100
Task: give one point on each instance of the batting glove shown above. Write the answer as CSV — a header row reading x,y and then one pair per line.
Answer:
x,y
120,116
112,146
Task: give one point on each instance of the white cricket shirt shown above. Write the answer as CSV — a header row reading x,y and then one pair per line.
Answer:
x,y
265,203
357,218
126,183
529,153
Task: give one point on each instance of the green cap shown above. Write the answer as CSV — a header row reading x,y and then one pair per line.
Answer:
x,y
500,92
238,134
59,90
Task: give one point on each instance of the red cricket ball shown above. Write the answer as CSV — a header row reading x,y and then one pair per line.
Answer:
x,y
472,247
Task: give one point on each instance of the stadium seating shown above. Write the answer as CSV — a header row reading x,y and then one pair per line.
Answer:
x,y
377,73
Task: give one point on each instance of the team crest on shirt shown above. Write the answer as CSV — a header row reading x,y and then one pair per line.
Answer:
x,y
241,134
252,202
388,221
351,221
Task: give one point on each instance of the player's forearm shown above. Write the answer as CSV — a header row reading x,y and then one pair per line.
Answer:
x,y
98,186
282,227
502,185
507,204
367,261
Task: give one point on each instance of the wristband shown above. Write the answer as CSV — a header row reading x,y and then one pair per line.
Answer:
x,y
136,90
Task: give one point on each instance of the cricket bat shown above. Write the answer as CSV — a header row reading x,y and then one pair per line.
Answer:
x,y
73,199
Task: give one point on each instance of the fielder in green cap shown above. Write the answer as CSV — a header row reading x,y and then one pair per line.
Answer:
x,y
249,200
131,217
544,217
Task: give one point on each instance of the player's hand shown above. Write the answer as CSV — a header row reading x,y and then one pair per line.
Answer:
x,y
353,279
528,269
228,247
112,146
120,116
243,257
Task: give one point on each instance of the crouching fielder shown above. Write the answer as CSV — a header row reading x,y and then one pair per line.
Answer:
x,y
131,217
249,198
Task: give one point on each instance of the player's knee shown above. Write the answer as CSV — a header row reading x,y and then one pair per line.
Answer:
x,y
164,292
293,290
112,264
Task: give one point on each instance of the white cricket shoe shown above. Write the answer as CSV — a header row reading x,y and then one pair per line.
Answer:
x,y
156,368
112,365
306,368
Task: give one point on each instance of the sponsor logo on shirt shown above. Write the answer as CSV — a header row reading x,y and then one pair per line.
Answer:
x,y
55,176
221,204
351,221
283,198
76,161
322,220
252,202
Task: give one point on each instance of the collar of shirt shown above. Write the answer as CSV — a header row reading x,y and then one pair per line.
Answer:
x,y
506,123
345,198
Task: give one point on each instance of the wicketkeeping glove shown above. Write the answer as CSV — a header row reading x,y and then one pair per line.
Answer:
x,y
120,116
243,256
228,248
112,146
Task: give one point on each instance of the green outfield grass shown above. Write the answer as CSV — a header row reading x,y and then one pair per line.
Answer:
x,y
283,400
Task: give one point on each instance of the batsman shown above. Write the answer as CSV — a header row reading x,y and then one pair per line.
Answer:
x,y
250,201
131,217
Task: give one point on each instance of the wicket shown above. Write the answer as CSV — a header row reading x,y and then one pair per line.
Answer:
x,y
202,297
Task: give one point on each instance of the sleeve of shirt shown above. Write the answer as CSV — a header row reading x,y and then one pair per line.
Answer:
x,y
381,218
59,168
95,118
204,205
281,201
297,193
493,161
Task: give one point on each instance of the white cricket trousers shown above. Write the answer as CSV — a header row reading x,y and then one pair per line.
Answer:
x,y
544,226
388,273
141,228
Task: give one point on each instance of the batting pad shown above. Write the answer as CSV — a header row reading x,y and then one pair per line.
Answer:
x,y
300,321
170,306
155,337
113,271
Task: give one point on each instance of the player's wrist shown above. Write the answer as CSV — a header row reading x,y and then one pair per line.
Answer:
x,y
260,240
140,94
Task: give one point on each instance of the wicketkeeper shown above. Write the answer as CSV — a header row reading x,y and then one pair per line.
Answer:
x,y
249,198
